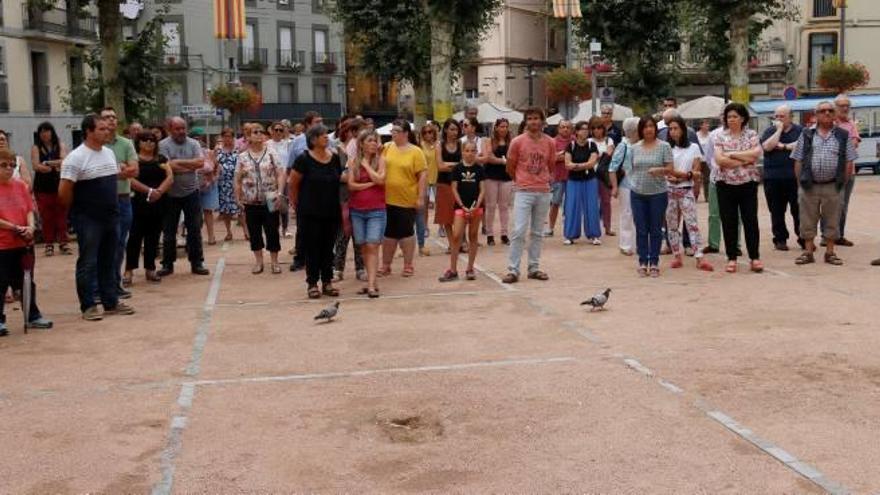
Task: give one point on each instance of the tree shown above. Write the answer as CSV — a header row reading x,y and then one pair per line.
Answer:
x,y
842,77
397,42
725,33
110,34
637,36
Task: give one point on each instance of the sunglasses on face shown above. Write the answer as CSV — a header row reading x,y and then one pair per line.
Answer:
x,y
826,110
7,166
278,129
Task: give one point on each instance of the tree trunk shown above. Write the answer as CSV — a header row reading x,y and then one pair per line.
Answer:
x,y
421,110
739,67
441,66
109,22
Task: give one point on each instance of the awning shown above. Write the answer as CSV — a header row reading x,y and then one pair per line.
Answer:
x,y
766,107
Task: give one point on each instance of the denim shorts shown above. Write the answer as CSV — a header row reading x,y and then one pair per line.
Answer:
x,y
368,226
557,191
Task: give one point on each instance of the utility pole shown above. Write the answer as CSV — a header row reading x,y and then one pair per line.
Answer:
x,y
595,50
530,74
842,4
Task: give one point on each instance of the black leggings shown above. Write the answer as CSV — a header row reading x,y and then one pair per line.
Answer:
x,y
742,200
12,275
146,228
319,238
259,219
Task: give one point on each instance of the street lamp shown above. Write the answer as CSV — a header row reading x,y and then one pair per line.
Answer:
x,y
595,53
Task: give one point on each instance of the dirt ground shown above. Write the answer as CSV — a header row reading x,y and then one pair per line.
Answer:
x,y
690,383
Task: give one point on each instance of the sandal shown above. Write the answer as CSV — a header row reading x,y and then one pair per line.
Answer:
x,y
676,262
126,279
50,250
276,269
408,271
539,275
757,266
470,275
642,271
314,293
655,272
373,293
384,271
805,258
329,290
448,276
228,237
257,269
731,267
65,249
704,265
510,278
832,259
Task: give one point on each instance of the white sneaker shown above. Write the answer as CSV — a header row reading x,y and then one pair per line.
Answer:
x,y
596,242
568,242
548,233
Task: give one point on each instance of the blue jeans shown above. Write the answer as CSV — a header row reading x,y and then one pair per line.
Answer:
x,y
530,209
123,227
191,206
649,211
97,261
581,209
368,226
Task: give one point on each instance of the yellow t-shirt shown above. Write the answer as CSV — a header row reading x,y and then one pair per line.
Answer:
x,y
402,167
431,159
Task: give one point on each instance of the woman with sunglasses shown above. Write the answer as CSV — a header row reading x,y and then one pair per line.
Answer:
x,y
21,172
469,127
582,188
428,143
149,205
226,161
280,144
47,154
498,185
447,155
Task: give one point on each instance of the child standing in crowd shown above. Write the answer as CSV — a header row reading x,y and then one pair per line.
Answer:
x,y
467,188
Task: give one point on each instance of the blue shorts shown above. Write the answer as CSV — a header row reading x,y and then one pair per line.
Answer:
x,y
557,193
368,226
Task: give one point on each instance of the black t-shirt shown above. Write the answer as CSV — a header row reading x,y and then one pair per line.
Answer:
x,y
150,174
47,182
468,178
451,157
581,154
319,188
498,171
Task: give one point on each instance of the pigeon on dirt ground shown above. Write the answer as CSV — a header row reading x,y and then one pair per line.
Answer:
x,y
328,313
598,301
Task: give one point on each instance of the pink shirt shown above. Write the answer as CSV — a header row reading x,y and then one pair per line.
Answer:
x,y
15,204
372,198
850,127
534,160
560,173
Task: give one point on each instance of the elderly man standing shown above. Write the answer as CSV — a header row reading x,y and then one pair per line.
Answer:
x,y
823,163
842,120
780,185
611,130
185,158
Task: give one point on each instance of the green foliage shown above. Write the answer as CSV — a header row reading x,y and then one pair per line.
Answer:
x,y
236,98
637,36
564,85
394,37
842,77
144,86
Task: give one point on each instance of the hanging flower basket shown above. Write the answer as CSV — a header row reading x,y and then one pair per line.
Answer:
x,y
236,98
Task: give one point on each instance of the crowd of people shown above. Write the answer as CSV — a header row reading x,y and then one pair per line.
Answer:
x,y
145,191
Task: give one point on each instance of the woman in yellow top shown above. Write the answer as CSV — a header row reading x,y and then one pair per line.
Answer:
x,y
428,143
406,179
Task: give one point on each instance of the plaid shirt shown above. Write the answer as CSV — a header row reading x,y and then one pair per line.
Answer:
x,y
825,155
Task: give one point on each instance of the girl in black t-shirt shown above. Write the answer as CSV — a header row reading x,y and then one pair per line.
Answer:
x,y
467,188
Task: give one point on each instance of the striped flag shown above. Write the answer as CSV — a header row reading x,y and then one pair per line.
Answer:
x,y
229,19
566,8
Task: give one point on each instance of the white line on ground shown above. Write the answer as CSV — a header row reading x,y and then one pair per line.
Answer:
x,y
187,390
637,366
360,373
488,273
244,304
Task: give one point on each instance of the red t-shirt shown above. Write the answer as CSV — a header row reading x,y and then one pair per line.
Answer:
x,y
15,204
560,173
534,159
372,198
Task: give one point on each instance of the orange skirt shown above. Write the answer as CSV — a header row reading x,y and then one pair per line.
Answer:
x,y
444,205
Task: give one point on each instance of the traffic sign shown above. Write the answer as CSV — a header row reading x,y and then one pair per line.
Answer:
x,y
198,111
606,95
790,93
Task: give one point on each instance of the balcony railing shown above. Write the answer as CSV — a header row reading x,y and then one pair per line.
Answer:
x,y
291,60
824,8
4,97
41,99
324,62
176,57
60,21
253,58
765,57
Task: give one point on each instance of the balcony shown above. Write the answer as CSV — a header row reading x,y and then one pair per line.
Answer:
x,y
60,22
324,63
41,99
4,97
824,8
253,59
291,60
176,57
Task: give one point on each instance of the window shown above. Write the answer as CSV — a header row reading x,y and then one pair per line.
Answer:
x,y
285,46
318,6
552,39
824,8
287,92
173,43
285,4
249,44
40,79
322,91
2,61
822,46
75,69
320,46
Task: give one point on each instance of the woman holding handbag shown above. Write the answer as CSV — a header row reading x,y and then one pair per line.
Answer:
x,y
259,179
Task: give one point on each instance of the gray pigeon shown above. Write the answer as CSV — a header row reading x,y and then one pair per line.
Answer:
x,y
328,313
598,301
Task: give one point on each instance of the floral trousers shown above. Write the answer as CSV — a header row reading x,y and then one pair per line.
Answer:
x,y
682,205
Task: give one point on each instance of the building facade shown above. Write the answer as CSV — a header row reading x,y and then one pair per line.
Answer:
x,y
524,42
40,54
292,54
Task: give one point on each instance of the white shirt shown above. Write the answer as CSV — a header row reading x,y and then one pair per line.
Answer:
x,y
479,142
281,149
603,146
84,163
683,161
709,154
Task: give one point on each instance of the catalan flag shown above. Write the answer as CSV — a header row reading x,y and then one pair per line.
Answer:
x,y
567,8
229,19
